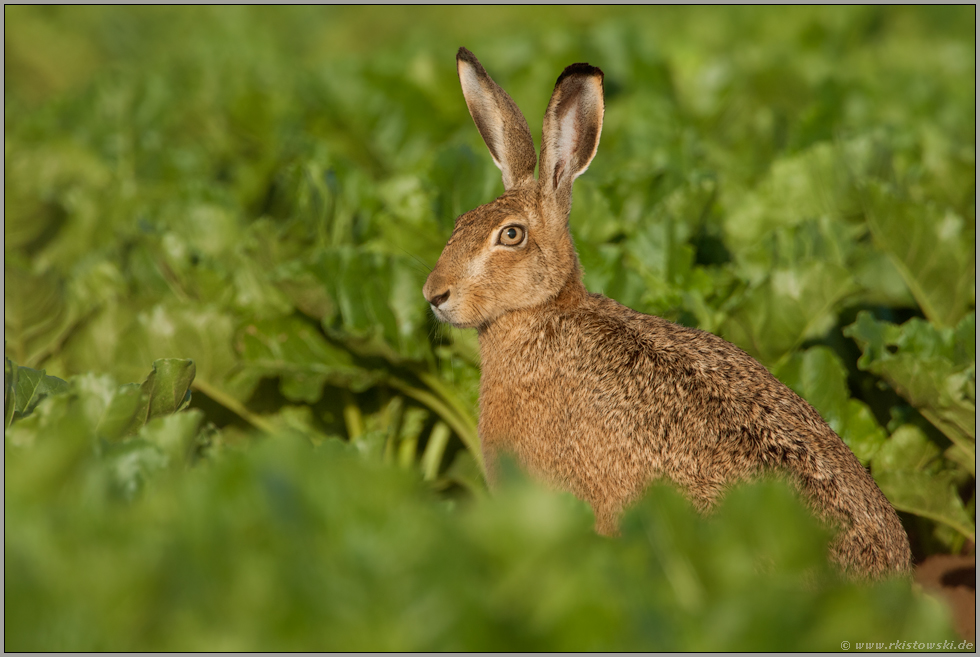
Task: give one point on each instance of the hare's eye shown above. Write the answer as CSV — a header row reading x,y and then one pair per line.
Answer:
x,y
511,236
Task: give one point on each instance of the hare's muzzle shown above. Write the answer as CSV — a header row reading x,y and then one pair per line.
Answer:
x,y
439,299
436,291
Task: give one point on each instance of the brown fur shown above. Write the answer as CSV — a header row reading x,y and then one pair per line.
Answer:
x,y
599,399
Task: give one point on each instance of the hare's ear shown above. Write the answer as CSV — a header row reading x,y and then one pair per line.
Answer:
x,y
499,121
570,136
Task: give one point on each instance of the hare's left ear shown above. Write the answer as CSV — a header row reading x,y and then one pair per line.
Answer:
x,y
500,122
572,125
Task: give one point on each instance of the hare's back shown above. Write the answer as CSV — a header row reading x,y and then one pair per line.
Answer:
x,y
695,393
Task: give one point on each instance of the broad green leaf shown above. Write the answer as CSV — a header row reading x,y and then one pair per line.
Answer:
x,y
930,367
57,441
35,311
465,471
27,388
790,306
797,188
131,464
120,416
462,179
907,469
605,274
297,353
93,393
931,246
169,331
298,419
9,388
379,299
173,434
166,390
304,290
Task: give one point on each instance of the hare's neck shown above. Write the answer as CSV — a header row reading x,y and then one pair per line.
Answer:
x,y
521,329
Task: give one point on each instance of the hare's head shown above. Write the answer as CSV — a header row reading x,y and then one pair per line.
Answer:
x,y
516,252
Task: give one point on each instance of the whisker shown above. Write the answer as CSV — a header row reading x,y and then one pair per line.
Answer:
x,y
415,258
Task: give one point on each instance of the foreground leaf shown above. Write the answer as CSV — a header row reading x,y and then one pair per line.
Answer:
x,y
166,390
25,388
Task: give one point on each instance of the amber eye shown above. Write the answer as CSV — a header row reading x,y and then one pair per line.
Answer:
x,y
511,236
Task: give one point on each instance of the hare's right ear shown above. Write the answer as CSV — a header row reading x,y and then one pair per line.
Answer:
x,y
499,121
570,137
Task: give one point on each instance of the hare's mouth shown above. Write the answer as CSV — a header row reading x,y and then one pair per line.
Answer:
x,y
441,315
446,315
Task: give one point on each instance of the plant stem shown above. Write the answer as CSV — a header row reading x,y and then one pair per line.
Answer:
x,y
233,405
434,449
466,430
352,417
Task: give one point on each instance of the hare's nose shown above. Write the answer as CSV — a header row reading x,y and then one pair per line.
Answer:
x,y
439,299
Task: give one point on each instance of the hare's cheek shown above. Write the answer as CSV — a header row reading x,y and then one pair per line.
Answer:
x,y
478,267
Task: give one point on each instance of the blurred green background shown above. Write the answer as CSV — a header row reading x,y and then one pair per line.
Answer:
x,y
262,190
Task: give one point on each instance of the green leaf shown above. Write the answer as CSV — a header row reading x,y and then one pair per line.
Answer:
x,y
379,299
797,188
28,388
35,312
166,390
298,419
131,464
932,247
907,469
297,353
304,290
9,387
467,472
929,366
174,434
120,416
203,334
790,306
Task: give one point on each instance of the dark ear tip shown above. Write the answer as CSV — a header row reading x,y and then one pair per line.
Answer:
x,y
580,69
466,56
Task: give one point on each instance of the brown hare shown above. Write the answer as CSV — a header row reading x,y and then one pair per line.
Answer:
x,y
599,399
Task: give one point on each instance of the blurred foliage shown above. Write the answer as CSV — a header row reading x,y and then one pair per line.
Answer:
x,y
265,200
113,541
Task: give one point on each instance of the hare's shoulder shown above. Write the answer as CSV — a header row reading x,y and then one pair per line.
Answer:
x,y
636,345
664,341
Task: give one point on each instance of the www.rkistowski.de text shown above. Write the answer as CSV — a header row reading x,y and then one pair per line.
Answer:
x,y
908,645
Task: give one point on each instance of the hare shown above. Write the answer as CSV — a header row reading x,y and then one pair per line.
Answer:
x,y
598,399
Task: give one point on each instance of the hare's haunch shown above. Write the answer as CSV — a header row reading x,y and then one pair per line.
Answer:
x,y
597,398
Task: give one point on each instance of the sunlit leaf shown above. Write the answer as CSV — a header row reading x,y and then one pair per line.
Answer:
x,y
905,468
932,247
167,389
304,360
933,368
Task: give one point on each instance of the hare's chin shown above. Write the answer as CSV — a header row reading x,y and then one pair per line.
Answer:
x,y
442,315
448,317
